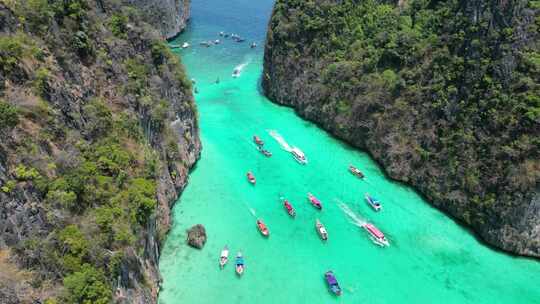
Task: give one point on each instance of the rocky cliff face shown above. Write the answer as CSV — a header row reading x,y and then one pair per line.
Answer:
x,y
168,16
98,130
443,94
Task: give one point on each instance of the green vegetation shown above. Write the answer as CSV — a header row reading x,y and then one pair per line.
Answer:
x,y
99,118
449,89
9,116
90,143
24,173
14,48
118,25
40,80
87,286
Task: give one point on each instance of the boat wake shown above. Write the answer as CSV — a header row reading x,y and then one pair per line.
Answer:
x,y
354,218
238,69
252,211
281,141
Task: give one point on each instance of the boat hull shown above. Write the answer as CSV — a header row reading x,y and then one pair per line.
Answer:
x,y
314,202
373,203
376,239
222,263
332,283
263,229
323,235
354,171
300,161
239,270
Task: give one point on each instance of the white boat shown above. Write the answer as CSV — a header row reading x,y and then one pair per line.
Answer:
x,y
373,202
185,45
217,41
236,73
299,156
321,230
224,257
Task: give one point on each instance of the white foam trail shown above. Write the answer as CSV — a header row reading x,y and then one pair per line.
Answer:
x,y
354,217
252,212
240,67
281,141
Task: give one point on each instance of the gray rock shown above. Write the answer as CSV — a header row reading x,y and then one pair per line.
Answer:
x,y
196,236
167,16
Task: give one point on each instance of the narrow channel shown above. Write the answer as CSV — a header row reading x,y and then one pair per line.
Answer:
x,y
430,257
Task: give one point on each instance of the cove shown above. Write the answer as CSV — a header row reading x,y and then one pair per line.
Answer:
x,y
431,259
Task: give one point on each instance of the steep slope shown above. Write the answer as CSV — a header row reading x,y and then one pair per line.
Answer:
x,y
98,129
443,94
168,16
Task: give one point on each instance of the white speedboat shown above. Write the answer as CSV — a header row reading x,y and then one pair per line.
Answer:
x,y
185,45
224,257
299,156
321,230
236,73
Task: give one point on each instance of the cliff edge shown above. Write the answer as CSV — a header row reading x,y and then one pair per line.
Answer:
x,y
443,94
98,130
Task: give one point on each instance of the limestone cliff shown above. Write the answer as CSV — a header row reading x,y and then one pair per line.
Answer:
x,y
98,130
168,16
443,94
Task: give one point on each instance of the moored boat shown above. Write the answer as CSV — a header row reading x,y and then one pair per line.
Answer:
x,y
299,156
239,264
289,208
314,201
185,45
376,235
262,228
257,140
333,284
266,153
224,257
355,171
251,178
321,230
373,202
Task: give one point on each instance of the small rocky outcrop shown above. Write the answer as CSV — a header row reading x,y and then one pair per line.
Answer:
x,y
196,236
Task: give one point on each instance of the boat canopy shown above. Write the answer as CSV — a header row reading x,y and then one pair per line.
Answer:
x,y
331,279
373,230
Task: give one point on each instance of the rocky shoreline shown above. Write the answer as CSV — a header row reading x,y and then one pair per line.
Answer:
x,y
376,110
98,132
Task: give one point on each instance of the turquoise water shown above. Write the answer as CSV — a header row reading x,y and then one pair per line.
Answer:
x,y
430,259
